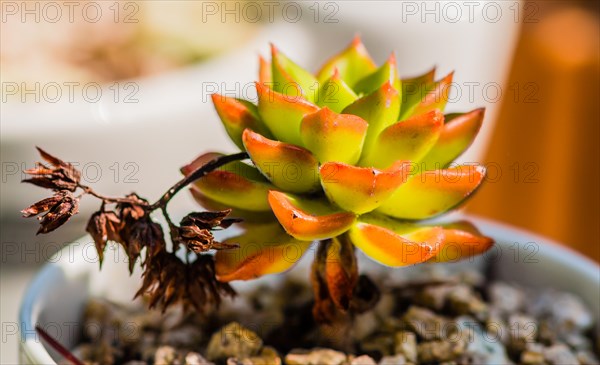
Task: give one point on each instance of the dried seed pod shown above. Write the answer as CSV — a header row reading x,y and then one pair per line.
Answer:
x,y
62,175
58,210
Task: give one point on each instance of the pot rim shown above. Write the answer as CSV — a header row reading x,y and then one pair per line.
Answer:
x,y
30,308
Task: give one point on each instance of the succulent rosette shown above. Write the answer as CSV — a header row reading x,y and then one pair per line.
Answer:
x,y
353,155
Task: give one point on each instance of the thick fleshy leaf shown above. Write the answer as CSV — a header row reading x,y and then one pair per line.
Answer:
x,y
436,97
380,109
388,72
282,114
287,166
408,140
395,243
335,94
309,219
414,90
353,64
247,216
458,133
264,71
291,79
361,189
431,193
333,137
263,249
462,240
235,185
238,115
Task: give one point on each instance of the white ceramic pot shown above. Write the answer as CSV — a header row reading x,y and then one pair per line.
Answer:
x,y
56,297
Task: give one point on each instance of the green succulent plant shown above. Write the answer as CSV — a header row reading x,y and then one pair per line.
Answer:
x,y
353,155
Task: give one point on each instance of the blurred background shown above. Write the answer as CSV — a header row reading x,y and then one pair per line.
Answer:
x,y
545,145
121,89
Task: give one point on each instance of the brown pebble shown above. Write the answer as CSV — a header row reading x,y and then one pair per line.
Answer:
x,y
463,300
363,360
393,360
567,310
233,340
587,358
523,331
496,328
267,356
505,298
194,358
531,357
316,356
437,351
425,323
166,355
434,296
405,343
560,354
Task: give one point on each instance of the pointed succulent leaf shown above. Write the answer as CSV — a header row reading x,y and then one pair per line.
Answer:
x,y
333,137
236,184
435,98
291,79
408,140
462,240
414,90
388,72
456,136
335,94
263,249
309,219
353,64
246,215
264,71
287,166
380,109
431,193
238,115
395,243
361,189
282,114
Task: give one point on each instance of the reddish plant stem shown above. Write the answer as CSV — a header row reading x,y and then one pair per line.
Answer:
x,y
58,347
195,175
106,199
169,194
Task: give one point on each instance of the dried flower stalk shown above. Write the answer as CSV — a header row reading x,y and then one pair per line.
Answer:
x,y
167,280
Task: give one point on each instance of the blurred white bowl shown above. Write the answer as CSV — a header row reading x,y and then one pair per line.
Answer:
x,y
138,139
56,297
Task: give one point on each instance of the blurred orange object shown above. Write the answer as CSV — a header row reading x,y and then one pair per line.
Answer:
x,y
544,157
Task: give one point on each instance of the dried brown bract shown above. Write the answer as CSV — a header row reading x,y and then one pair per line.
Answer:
x,y
334,276
61,176
132,209
136,229
339,291
168,280
58,210
195,230
103,227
